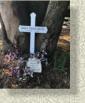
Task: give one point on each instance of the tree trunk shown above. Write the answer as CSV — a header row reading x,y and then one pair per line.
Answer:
x,y
9,19
6,42
54,18
11,24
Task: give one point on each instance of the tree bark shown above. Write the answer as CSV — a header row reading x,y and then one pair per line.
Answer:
x,y
10,20
4,33
54,18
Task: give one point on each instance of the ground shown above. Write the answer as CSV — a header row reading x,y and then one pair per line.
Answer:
x,y
58,77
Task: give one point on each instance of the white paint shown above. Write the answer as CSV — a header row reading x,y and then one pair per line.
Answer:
x,y
36,29
32,29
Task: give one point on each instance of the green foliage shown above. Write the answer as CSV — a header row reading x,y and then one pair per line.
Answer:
x,y
60,59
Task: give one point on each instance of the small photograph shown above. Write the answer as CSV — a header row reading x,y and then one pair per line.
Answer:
x,y
35,44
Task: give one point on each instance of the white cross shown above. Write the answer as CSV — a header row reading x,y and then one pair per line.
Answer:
x,y
32,29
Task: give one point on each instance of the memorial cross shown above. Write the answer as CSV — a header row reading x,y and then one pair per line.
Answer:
x,y
32,29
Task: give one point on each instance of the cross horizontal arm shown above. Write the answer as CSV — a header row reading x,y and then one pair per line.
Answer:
x,y
36,29
23,28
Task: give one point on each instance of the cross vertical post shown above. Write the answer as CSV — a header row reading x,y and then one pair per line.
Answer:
x,y
32,36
